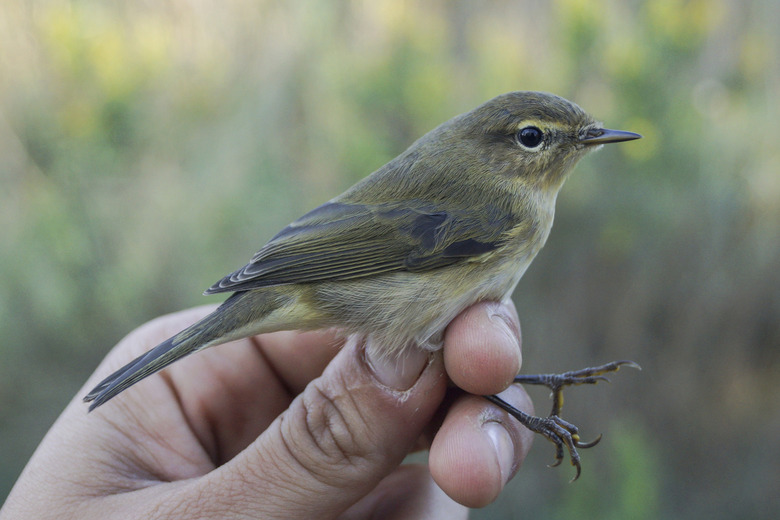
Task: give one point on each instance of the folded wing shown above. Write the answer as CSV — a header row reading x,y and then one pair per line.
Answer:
x,y
341,241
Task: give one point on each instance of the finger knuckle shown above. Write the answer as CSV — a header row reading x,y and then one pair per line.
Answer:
x,y
327,434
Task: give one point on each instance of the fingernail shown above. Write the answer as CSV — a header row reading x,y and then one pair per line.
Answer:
x,y
503,446
397,372
509,327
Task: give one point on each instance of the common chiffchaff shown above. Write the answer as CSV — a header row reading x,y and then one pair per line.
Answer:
x,y
455,219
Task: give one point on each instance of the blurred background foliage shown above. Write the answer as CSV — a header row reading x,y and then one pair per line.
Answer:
x,y
148,148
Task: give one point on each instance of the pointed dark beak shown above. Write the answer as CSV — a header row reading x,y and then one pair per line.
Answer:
x,y
596,136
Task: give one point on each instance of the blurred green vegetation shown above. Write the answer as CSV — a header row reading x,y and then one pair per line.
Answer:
x,y
148,148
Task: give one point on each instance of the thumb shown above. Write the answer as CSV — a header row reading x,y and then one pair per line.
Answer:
x,y
348,430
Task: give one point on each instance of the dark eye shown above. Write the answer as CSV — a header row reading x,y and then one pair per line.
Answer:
x,y
530,136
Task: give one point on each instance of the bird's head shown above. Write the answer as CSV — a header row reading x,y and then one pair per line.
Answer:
x,y
533,137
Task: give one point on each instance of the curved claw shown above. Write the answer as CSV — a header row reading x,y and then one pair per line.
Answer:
x,y
579,470
558,452
626,363
574,456
589,444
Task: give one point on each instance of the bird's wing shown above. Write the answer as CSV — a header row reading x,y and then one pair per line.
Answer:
x,y
340,241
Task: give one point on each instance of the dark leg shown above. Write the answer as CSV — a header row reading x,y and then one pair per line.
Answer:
x,y
553,428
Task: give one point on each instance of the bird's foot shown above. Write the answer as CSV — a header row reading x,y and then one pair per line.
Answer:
x,y
561,433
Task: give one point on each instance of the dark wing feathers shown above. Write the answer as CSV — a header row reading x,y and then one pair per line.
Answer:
x,y
339,241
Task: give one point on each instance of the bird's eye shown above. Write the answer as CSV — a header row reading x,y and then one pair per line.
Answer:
x,y
530,136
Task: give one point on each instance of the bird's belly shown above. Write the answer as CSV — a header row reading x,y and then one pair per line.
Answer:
x,y
399,310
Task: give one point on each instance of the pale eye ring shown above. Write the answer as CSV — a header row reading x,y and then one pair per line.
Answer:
x,y
530,136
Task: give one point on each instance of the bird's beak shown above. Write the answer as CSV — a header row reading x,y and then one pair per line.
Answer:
x,y
596,136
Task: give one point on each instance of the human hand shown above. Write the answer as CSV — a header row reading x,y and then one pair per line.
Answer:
x,y
288,425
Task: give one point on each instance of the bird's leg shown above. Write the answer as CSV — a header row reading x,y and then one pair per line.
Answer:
x,y
586,376
553,428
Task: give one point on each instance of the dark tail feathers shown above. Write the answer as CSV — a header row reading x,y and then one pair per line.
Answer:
x,y
190,340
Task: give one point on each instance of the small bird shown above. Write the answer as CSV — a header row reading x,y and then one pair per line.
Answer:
x,y
455,219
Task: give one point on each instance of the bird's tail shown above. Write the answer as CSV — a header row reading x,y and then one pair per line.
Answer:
x,y
205,333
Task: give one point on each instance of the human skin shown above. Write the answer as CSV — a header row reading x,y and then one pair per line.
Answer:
x,y
289,425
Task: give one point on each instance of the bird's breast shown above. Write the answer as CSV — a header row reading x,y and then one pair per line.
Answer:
x,y
400,309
